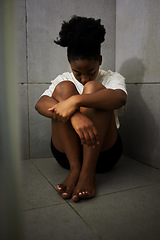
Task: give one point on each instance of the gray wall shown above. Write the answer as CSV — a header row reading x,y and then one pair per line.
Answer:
x,y
40,60
138,59
133,26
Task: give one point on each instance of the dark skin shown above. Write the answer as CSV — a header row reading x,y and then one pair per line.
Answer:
x,y
86,119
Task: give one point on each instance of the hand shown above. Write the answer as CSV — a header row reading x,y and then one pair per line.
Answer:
x,y
85,129
63,110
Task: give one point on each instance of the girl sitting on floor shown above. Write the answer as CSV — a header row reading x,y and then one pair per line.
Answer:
x,y
83,107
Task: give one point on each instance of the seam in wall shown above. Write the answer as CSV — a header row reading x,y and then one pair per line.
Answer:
x,y
26,28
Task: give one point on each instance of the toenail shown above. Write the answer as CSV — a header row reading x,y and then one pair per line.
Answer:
x,y
64,194
75,198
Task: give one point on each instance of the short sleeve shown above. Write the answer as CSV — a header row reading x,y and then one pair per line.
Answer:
x,y
48,92
116,81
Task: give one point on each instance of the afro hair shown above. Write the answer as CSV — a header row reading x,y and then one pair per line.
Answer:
x,y
83,36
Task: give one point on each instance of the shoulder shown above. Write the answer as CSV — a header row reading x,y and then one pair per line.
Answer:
x,y
109,74
112,80
67,75
116,75
63,76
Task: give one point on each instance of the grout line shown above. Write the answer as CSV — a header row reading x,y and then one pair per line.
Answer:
x,y
141,83
134,83
90,227
115,44
27,64
65,201
93,230
125,190
146,164
42,207
98,196
34,83
43,174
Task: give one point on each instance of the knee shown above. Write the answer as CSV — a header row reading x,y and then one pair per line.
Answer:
x,y
64,90
93,86
64,86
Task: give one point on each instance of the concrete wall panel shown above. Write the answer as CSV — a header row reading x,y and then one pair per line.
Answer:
x,y
44,18
138,59
24,124
40,127
140,126
41,60
137,35
21,40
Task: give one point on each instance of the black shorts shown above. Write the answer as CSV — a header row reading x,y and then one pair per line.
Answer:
x,y
105,162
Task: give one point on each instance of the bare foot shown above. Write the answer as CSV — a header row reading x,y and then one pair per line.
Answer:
x,y
67,187
85,187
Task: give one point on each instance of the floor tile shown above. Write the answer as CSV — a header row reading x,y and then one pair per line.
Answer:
x,y
56,223
127,174
51,169
36,190
132,214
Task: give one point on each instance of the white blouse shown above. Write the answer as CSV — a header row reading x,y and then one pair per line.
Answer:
x,y
111,80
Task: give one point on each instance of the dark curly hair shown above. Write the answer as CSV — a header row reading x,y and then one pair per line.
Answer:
x,y
82,36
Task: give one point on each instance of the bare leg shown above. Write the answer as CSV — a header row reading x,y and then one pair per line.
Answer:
x,y
105,123
81,181
66,140
70,144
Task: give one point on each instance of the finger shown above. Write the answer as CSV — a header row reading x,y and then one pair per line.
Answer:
x,y
54,116
92,138
81,136
59,117
51,109
87,139
95,132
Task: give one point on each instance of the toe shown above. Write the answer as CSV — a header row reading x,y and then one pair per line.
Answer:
x,y
83,194
80,194
65,195
86,194
75,198
60,187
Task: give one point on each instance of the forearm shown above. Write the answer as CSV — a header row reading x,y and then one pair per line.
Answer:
x,y
106,99
43,104
76,115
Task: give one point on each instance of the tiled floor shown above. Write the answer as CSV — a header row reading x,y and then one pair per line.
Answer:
x,y
126,206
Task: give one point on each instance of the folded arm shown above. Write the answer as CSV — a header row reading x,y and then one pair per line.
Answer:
x,y
43,104
105,99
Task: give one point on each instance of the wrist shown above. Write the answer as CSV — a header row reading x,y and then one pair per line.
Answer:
x,y
74,115
76,99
